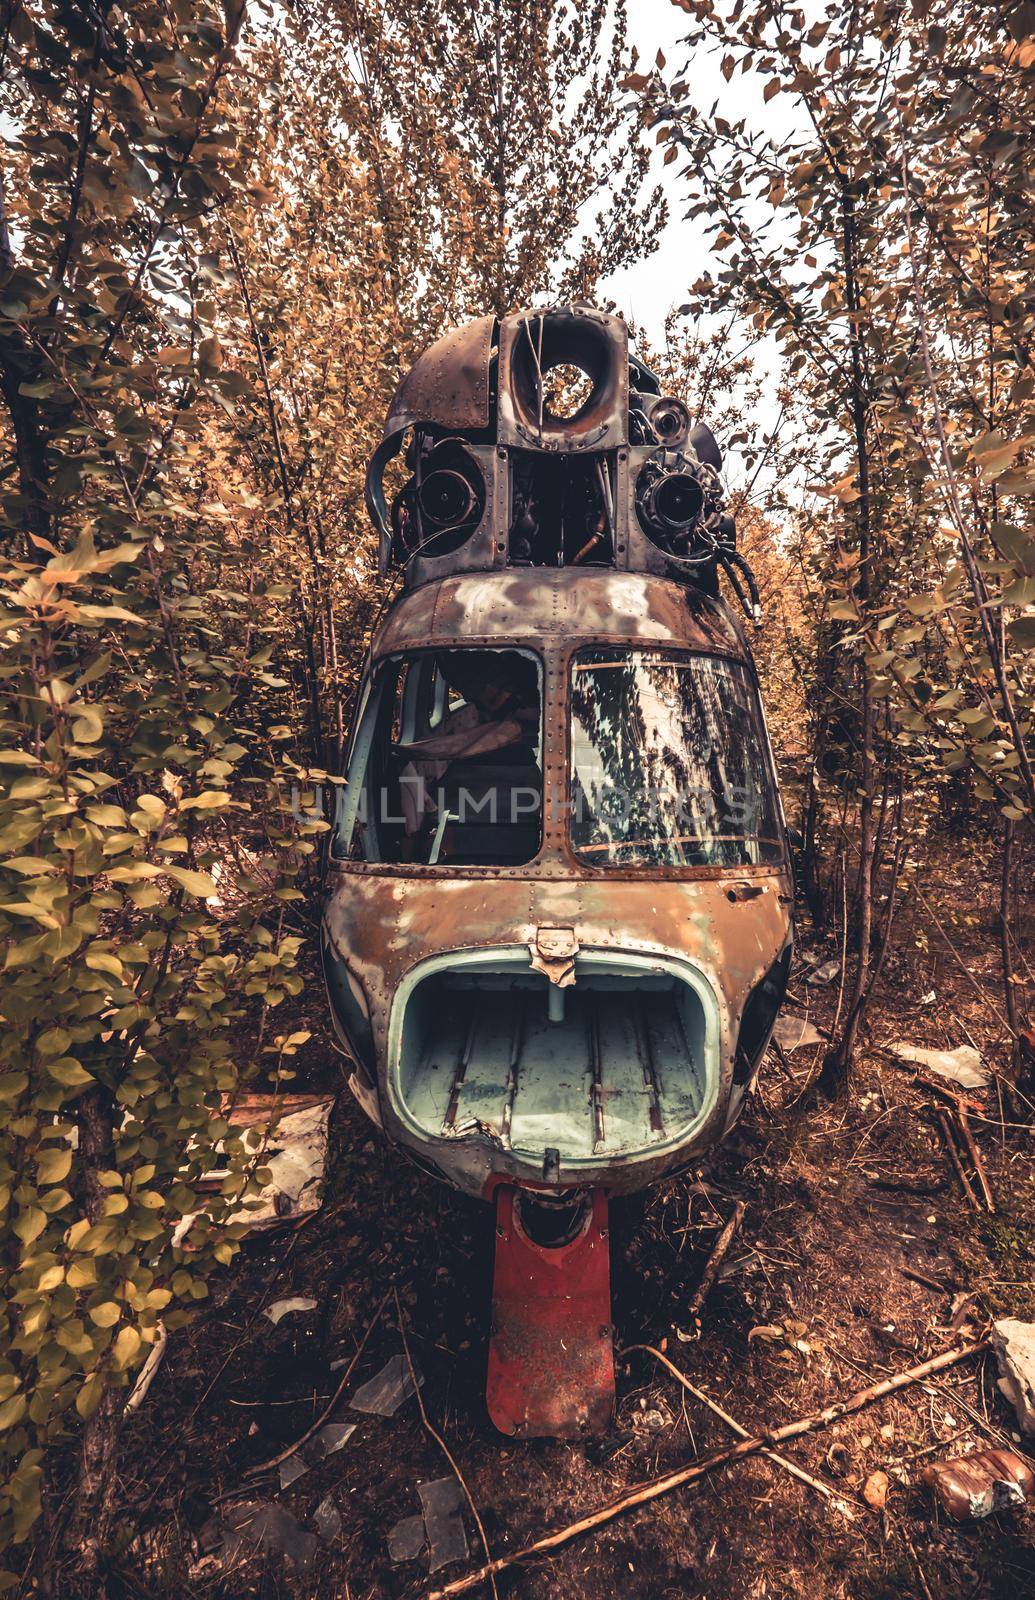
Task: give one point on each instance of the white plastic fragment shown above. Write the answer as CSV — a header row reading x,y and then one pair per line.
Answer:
x,y
826,972
281,1308
146,1375
962,1065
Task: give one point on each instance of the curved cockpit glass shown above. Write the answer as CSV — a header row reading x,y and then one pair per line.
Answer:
x,y
670,763
446,765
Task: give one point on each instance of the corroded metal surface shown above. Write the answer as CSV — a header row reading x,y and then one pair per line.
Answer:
x,y
729,926
449,383
525,604
384,922
531,342
551,1365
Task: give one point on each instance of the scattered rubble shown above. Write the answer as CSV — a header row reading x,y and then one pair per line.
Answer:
x,y
407,1539
331,1438
825,973
268,1526
1014,1345
984,1481
438,1531
327,1520
791,1032
442,1505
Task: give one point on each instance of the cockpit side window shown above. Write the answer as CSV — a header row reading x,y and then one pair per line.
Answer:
x,y
669,762
446,766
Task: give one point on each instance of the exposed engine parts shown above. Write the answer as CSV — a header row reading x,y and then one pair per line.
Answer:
x,y
538,440
679,500
440,506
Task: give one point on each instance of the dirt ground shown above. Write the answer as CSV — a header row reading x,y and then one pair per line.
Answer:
x,y
840,1200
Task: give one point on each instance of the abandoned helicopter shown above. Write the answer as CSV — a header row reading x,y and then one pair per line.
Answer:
x,y
558,926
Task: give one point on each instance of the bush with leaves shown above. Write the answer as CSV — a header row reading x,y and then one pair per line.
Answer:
x,y
148,853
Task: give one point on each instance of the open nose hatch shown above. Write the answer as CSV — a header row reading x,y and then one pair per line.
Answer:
x,y
613,1065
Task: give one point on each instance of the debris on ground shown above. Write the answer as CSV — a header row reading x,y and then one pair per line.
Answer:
x,y
334,1436
295,1127
438,1531
146,1375
442,1505
1014,1345
984,1481
962,1065
282,1308
269,1527
825,973
382,1395
327,1520
407,1539
875,1490
791,1032
719,1252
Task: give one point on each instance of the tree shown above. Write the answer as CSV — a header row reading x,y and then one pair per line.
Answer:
x,y
531,185
833,242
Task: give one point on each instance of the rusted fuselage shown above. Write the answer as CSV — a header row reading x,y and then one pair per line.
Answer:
x,y
553,1023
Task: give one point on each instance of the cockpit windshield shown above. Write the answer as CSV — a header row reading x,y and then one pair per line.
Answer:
x,y
669,762
446,767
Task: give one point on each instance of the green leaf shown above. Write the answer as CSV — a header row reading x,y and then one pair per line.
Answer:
x,y
29,1224
69,1073
54,1164
12,1411
127,1343
197,883
89,1396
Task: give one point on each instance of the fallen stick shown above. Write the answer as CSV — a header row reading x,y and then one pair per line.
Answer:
x,y
274,1461
975,1154
942,1118
720,1250
735,1427
643,1493
929,1283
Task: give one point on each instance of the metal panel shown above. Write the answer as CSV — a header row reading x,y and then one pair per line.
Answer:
x,y
551,1362
567,602
533,341
449,383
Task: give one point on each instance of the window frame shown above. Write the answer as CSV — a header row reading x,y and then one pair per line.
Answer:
x,y
369,704
613,870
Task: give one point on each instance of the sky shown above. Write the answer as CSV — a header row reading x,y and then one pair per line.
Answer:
x,y
646,291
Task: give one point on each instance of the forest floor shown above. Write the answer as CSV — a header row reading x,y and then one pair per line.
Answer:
x,y
840,1199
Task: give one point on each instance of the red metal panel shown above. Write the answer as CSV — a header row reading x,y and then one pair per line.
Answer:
x,y
551,1364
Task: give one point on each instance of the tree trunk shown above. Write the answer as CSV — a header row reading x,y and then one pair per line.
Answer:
x,y
837,1066
93,1499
